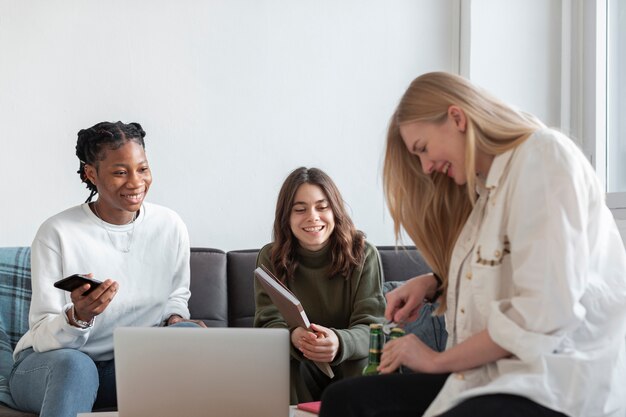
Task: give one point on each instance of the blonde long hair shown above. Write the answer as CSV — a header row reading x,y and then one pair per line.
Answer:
x,y
432,208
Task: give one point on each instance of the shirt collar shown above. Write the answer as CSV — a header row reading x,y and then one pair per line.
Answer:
x,y
497,169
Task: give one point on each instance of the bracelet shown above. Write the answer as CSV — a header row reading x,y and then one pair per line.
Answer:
x,y
439,289
80,323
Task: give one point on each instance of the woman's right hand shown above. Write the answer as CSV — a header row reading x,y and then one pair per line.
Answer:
x,y
86,307
319,343
411,352
404,303
298,335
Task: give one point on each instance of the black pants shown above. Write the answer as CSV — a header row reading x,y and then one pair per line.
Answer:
x,y
409,395
308,382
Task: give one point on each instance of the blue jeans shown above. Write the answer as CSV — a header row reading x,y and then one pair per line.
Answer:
x,y
60,383
64,382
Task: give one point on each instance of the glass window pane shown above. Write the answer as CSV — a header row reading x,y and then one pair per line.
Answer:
x,y
616,96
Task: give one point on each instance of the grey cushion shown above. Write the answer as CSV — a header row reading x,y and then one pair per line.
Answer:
x,y
241,265
208,287
401,263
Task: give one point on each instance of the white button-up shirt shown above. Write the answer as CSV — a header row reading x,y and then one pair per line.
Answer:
x,y
540,264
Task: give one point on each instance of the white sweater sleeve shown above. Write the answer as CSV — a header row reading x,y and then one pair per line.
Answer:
x,y
48,323
177,301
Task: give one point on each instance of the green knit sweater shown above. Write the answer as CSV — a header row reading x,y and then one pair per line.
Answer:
x,y
347,306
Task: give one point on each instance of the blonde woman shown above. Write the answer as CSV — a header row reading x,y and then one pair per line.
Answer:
x,y
530,267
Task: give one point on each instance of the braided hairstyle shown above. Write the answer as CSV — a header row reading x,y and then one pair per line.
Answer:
x,y
94,141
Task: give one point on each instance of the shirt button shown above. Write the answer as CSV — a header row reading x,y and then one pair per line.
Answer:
x,y
468,275
459,376
496,254
462,311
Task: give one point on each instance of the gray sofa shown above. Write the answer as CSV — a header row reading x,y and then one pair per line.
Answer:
x,y
222,295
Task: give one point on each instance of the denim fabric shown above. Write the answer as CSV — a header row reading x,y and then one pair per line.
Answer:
x,y
107,389
57,383
428,328
64,382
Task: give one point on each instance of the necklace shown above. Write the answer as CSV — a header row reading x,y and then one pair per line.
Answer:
x,y
106,229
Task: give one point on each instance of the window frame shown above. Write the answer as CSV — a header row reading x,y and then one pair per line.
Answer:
x,y
594,91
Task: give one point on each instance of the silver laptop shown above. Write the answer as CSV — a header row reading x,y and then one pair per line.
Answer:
x,y
188,372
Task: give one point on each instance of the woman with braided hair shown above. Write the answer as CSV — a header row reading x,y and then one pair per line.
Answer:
x,y
64,363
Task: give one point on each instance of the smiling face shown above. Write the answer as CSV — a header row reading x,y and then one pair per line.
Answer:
x,y
311,220
437,149
439,146
122,178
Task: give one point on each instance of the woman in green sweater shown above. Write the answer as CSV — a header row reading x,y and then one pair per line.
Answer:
x,y
321,257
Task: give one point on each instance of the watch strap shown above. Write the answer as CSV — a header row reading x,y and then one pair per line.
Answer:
x,y
438,290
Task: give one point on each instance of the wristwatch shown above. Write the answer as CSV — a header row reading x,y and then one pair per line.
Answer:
x,y
80,323
438,290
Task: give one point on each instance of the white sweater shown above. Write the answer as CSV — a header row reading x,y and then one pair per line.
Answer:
x,y
153,276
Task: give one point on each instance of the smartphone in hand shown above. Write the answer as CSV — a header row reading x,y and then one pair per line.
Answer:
x,y
74,281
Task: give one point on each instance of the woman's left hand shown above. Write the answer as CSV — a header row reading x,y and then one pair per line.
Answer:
x,y
408,351
175,318
321,345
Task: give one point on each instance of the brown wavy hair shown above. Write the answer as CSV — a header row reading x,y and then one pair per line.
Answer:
x,y
432,208
347,244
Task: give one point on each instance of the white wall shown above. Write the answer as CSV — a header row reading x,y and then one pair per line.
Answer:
x,y
233,94
515,53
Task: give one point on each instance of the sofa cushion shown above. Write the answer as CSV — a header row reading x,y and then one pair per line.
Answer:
x,y
241,265
208,287
398,264
15,288
401,262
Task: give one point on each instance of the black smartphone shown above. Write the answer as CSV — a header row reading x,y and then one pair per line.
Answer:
x,y
74,281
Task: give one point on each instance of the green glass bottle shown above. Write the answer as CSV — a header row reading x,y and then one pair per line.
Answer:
x,y
376,348
395,333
